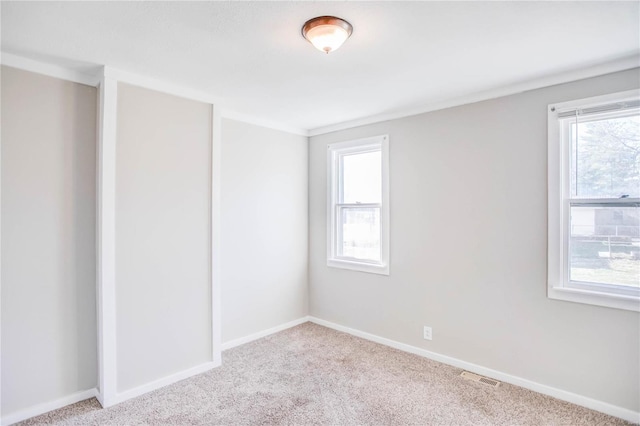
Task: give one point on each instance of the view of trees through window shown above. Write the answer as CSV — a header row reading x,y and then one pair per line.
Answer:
x,y
606,158
605,239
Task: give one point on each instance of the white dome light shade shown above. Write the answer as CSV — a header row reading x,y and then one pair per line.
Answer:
x,y
327,38
327,33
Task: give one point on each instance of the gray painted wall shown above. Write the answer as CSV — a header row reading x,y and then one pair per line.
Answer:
x,y
48,239
163,229
480,284
264,228
469,247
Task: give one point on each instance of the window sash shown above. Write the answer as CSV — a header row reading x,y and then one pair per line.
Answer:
x,y
339,226
567,282
604,202
566,141
560,117
603,288
566,119
335,154
614,107
340,155
590,286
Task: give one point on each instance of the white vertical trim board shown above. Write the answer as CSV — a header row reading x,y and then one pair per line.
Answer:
x,y
260,334
603,407
216,236
1,422
106,294
45,407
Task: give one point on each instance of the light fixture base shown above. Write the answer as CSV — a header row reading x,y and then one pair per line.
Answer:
x,y
327,33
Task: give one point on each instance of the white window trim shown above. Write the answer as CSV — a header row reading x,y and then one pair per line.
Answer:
x,y
381,142
559,214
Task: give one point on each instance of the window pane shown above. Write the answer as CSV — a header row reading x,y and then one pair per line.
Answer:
x,y
605,245
362,178
605,159
359,233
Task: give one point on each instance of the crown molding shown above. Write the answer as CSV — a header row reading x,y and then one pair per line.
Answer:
x,y
622,64
158,85
127,77
122,76
188,93
245,118
39,67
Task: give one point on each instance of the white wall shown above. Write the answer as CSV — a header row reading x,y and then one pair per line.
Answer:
x,y
48,239
468,249
264,228
163,231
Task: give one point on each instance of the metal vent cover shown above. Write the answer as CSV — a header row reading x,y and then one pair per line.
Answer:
x,y
480,379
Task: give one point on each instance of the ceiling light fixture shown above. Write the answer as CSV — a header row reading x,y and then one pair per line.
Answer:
x,y
326,33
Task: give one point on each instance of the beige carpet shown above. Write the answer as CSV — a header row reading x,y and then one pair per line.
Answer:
x,y
312,375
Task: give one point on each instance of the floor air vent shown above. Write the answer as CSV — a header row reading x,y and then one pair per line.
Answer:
x,y
476,378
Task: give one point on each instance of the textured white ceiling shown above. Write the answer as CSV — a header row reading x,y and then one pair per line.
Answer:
x,y
402,55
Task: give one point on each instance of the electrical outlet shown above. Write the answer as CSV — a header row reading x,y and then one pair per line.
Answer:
x,y
427,333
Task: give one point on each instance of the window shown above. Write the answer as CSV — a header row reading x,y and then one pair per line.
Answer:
x,y
594,201
358,205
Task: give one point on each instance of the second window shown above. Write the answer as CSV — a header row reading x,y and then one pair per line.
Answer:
x,y
358,213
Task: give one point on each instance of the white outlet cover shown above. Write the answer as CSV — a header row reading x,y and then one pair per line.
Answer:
x,y
428,335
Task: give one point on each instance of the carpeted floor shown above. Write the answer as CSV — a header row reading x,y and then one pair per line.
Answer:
x,y
312,375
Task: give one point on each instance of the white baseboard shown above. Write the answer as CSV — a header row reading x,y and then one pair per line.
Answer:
x,y
255,336
45,407
603,407
613,410
160,383
141,390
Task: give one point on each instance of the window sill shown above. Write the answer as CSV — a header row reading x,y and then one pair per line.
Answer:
x,y
628,303
359,266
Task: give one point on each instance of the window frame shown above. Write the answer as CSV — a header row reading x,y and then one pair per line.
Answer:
x,y
559,285
334,179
